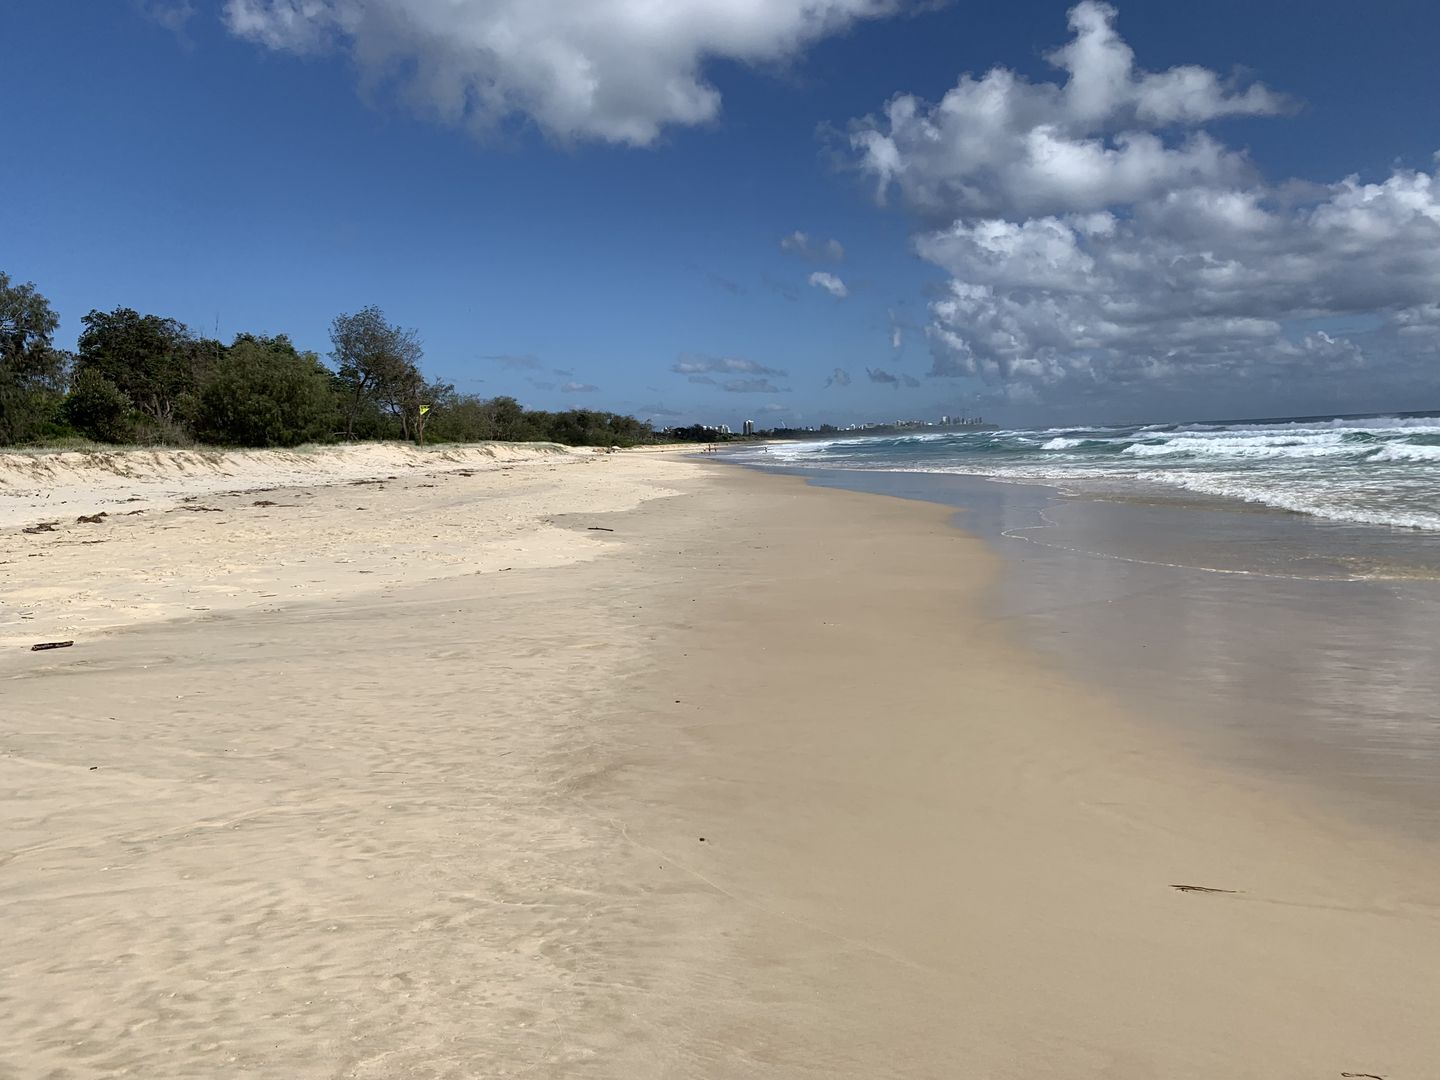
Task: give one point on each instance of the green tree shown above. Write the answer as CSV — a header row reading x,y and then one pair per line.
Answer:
x,y
376,363
99,409
459,418
32,370
264,392
158,363
509,421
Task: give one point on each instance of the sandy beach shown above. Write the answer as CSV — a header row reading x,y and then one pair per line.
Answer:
x,y
630,765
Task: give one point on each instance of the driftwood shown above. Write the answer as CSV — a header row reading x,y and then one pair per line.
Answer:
x,y
46,645
1367,1076
598,528
44,526
1201,888
91,519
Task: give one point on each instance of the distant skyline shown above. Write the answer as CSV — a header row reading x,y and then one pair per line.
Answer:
x,y
796,211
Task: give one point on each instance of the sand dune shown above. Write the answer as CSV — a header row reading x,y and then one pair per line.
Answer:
x,y
34,485
188,533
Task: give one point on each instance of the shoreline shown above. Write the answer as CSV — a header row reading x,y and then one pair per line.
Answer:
x,y
1245,634
1337,471
453,826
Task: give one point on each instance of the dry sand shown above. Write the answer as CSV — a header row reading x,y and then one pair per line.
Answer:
x,y
189,532
450,824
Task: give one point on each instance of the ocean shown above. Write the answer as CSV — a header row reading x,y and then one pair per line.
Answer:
x,y
1374,470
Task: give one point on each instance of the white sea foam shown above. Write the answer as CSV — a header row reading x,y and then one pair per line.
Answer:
x,y
1321,502
1366,471
1406,452
1328,445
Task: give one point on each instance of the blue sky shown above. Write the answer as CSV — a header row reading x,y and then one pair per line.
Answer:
x,y
257,165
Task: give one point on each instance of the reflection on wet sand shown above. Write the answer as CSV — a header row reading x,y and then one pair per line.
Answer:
x,y
1248,628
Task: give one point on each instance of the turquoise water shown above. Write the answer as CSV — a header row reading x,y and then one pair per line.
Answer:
x,y
1372,470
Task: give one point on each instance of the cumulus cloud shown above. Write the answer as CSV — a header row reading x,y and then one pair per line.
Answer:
x,y
658,410
1099,243
611,70
910,381
838,377
878,375
1000,145
816,250
698,363
830,283
579,388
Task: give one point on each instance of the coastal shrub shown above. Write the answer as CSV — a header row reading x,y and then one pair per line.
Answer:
x,y
263,392
156,362
32,370
99,409
149,380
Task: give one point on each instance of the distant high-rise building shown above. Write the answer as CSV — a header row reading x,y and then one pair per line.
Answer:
x,y
749,427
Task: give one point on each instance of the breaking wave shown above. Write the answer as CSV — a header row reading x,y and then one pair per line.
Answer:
x,y
1373,470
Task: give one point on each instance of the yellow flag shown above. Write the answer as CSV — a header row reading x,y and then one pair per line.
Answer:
x,y
424,409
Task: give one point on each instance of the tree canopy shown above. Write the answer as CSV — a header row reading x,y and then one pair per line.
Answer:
x,y
150,379
376,363
264,392
156,362
32,370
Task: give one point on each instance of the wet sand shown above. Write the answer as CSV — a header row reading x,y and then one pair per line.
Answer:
x,y
1299,650
758,787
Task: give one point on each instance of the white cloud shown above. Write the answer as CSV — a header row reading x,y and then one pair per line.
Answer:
x,y
699,364
816,250
1000,145
830,283
579,388
614,70
1095,246
1198,279
838,377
